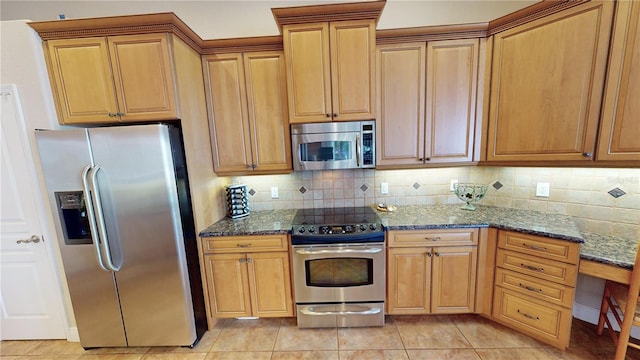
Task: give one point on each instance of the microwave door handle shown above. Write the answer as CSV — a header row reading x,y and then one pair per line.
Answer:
x,y
358,150
91,216
102,227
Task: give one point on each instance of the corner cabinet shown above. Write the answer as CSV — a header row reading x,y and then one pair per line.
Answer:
x,y
620,124
411,131
112,79
247,104
535,286
248,276
330,70
431,272
546,86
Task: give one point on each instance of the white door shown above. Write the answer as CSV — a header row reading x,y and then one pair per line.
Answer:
x,y
30,299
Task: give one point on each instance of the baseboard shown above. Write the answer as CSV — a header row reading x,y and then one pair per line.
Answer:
x,y
591,315
73,335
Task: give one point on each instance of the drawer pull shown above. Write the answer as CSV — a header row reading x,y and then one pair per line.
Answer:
x,y
244,245
528,316
530,288
532,268
533,247
433,238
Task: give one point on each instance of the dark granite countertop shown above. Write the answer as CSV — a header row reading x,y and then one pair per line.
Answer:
x,y
609,250
596,247
257,223
417,217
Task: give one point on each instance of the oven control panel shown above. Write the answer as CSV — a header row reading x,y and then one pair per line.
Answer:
x,y
336,229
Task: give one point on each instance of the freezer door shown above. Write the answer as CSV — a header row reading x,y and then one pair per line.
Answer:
x,y
137,186
63,155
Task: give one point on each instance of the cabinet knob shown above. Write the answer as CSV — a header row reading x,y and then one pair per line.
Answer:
x,y
427,159
111,114
328,115
587,154
335,115
120,114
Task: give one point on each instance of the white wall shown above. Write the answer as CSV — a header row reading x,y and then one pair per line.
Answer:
x,y
22,63
216,19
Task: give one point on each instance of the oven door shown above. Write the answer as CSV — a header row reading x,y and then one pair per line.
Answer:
x,y
321,151
339,273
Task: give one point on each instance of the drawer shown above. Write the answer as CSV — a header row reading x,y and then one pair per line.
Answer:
x,y
536,288
559,272
241,244
559,250
444,237
543,321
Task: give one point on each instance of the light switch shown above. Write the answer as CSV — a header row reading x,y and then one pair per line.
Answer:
x,y
384,188
274,192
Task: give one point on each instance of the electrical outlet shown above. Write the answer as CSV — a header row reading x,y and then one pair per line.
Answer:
x,y
274,192
384,188
452,183
542,190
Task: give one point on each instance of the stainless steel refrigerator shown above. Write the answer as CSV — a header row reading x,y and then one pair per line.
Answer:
x,y
124,222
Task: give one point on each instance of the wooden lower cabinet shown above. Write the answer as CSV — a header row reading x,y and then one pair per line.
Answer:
x,y
535,286
431,279
256,283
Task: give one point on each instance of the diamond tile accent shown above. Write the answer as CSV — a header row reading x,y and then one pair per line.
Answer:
x,y
302,190
364,187
497,185
616,192
252,192
416,185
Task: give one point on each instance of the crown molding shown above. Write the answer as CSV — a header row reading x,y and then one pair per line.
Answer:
x,y
329,12
118,25
431,33
530,13
261,43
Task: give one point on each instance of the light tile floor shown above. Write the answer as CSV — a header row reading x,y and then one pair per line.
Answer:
x,y
463,337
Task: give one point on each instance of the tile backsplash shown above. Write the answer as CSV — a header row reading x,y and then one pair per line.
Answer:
x,y
583,193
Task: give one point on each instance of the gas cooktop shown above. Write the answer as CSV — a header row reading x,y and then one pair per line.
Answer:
x,y
337,222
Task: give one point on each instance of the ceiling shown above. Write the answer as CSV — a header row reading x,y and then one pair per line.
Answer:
x,y
217,19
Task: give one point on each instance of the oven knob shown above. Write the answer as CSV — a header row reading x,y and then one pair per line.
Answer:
x,y
312,229
372,226
301,229
362,227
348,228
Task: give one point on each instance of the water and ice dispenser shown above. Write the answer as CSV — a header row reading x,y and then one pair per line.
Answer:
x,y
74,218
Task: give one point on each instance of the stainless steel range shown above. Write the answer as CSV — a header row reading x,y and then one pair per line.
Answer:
x,y
339,267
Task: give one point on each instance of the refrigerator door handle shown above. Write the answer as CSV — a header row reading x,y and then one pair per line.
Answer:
x,y
91,216
102,227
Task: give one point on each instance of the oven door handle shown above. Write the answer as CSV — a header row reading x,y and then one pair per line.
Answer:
x,y
364,312
339,251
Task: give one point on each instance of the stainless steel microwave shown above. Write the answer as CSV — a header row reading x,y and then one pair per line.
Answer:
x,y
334,145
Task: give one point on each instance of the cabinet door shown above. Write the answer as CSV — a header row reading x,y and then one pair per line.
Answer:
x,y
400,89
267,105
620,128
306,48
270,282
408,280
228,284
81,80
453,282
227,106
452,72
546,85
143,76
353,45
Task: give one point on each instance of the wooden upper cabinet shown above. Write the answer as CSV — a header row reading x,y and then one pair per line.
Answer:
x,y
546,86
330,70
620,124
426,102
248,110
112,79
